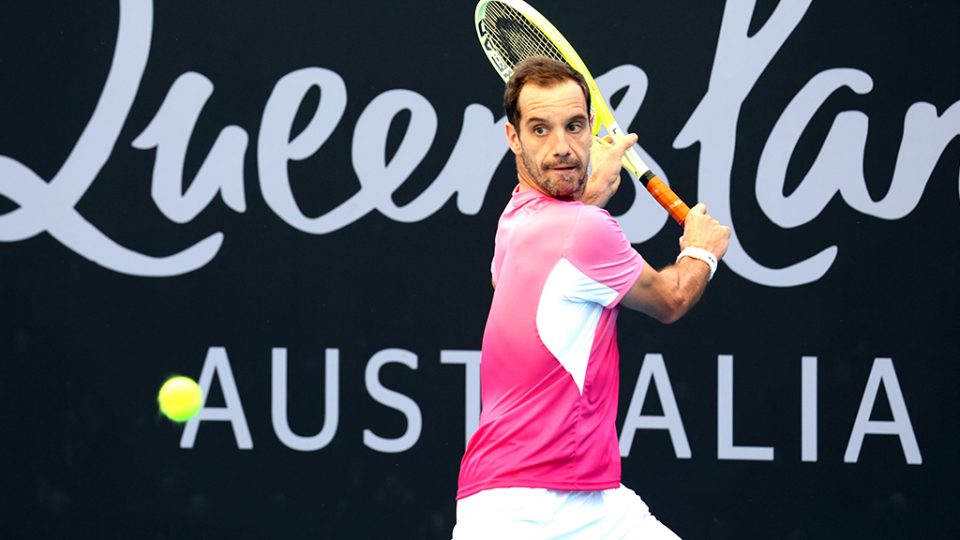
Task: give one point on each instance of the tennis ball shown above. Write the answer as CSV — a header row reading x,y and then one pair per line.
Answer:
x,y
180,398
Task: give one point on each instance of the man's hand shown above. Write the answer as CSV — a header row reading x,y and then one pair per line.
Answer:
x,y
605,157
702,231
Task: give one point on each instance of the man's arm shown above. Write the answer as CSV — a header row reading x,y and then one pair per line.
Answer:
x,y
668,294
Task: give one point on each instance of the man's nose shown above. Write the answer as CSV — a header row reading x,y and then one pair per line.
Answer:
x,y
561,146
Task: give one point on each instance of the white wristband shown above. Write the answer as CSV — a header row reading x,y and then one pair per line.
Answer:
x,y
701,255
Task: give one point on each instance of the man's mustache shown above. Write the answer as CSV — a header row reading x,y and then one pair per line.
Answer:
x,y
564,162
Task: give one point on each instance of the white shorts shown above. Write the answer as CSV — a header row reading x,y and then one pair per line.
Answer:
x,y
546,514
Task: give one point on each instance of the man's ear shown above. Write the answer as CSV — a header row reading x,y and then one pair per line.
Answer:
x,y
513,138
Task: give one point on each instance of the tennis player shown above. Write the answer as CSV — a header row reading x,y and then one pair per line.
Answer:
x,y
544,462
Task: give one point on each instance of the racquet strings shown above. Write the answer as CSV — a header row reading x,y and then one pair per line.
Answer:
x,y
516,38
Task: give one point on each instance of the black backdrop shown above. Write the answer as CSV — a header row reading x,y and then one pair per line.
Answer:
x,y
87,340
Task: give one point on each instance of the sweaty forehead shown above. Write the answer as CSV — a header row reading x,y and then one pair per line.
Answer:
x,y
560,101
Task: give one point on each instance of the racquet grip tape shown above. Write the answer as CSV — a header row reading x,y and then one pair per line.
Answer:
x,y
662,193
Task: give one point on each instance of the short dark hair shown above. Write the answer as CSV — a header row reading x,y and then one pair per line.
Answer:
x,y
541,71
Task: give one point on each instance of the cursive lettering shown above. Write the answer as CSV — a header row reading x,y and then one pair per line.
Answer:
x,y
740,61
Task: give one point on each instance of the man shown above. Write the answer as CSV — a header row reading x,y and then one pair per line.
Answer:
x,y
544,462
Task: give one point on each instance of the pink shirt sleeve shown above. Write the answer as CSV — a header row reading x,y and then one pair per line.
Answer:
x,y
597,247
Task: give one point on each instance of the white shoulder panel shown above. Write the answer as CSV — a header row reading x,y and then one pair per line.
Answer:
x,y
567,316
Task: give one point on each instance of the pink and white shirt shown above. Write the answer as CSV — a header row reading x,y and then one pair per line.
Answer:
x,y
549,362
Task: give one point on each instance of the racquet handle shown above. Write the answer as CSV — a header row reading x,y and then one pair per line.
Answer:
x,y
662,193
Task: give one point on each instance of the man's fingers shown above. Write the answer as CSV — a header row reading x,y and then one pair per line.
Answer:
x,y
603,141
621,144
700,208
628,141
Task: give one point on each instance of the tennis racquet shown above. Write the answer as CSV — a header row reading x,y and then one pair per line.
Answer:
x,y
511,30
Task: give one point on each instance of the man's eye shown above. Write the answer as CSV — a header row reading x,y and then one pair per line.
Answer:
x,y
540,130
575,127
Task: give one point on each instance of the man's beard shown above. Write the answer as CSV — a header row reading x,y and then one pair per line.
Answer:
x,y
558,189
